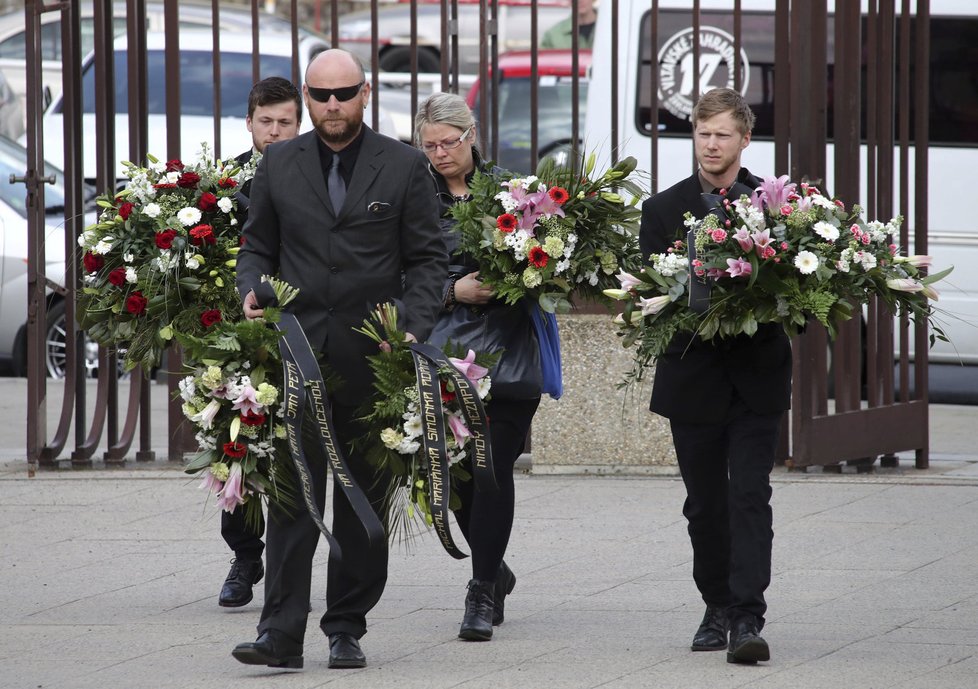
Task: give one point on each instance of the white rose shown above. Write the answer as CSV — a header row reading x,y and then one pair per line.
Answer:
x,y
225,204
151,210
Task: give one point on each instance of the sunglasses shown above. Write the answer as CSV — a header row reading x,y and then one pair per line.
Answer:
x,y
343,94
449,145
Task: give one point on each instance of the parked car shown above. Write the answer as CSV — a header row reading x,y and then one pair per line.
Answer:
x,y
13,265
196,93
13,46
394,32
554,106
11,111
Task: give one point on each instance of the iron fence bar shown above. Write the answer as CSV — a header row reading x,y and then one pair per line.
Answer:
x,y
374,58
738,44
575,86
534,83
903,125
443,54
697,56
255,59
782,81
493,36
885,153
413,36
216,75
653,97
485,90
921,226
296,77
613,56
454,45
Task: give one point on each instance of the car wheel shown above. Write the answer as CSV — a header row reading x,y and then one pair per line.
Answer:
x,y
398,59
55,346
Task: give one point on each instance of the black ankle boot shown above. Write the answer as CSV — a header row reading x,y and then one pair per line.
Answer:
x,y
477,622
505,581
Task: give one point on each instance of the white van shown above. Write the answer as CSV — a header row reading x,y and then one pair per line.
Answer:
x,y
953,152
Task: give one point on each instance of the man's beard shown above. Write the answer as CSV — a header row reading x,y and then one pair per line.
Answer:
x,y
340,130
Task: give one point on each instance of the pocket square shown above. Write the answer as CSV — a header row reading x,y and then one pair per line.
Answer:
x,y
377,206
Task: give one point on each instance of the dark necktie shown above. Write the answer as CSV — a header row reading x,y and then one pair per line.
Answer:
x,y
335,185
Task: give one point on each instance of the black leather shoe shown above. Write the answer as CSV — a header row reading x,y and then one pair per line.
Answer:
x,y
746,645
273,648
345,651
477,621
712,633
505,581
237,587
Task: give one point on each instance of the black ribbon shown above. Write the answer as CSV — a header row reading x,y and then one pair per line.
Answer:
x,y
427,362
302,374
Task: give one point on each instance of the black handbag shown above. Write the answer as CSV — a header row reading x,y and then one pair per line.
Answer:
x,y
494,328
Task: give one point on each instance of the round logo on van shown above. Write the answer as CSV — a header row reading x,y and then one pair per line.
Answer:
x,y
716,68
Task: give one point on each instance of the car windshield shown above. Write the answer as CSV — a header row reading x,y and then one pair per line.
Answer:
x,y
13,161
196,82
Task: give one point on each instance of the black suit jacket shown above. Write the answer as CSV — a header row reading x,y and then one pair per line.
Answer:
x,y
695,380
384,244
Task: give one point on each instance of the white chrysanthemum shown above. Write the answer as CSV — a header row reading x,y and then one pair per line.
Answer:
x,y
187,388
505,198
517,242
806,262
865,259
189,216
562,265
225,204
205,441
391,438
408,447
826,231
151,210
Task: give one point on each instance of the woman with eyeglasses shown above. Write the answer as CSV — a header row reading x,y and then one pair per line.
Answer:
x,y
472,317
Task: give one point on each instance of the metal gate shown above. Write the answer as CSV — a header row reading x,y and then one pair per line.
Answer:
x,y
874,413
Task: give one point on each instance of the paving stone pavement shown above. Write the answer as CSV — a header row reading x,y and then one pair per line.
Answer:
x,y
109,579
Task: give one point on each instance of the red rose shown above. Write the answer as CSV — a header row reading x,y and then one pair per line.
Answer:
x,y
235,450
125,210
174,165
92,262
227,183
202,234
188,180
164,239
506,222
210,317
136,303
250,418
207,202
118,277
559,195
538,257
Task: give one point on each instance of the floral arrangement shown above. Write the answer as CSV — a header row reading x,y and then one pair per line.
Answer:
x,y
232,396
783,254
545,236
161,258
395,426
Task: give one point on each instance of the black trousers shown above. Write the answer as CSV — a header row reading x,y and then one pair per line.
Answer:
x,y
486,519
726,468
241,538
354,584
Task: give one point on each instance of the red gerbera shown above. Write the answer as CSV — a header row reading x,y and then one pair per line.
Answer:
x,y
210,317
202,234
92,262
538,257
118,277
235,450
207,202
250,418
136,303
506,222
559,195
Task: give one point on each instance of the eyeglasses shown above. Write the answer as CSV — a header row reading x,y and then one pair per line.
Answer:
x,y
343,94
449,145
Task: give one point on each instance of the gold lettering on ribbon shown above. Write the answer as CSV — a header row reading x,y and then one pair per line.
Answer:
x,y
318,397
476,426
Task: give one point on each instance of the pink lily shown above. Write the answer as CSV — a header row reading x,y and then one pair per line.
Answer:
x,y
905,285
930,293
652,306
738,266
205,417
916,260
762,240
212,482
246,401
774,191
459,430
234,492
743,238
627,280
544,205
468,368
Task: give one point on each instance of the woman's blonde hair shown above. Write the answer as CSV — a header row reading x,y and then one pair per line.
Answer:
x,y
442,108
